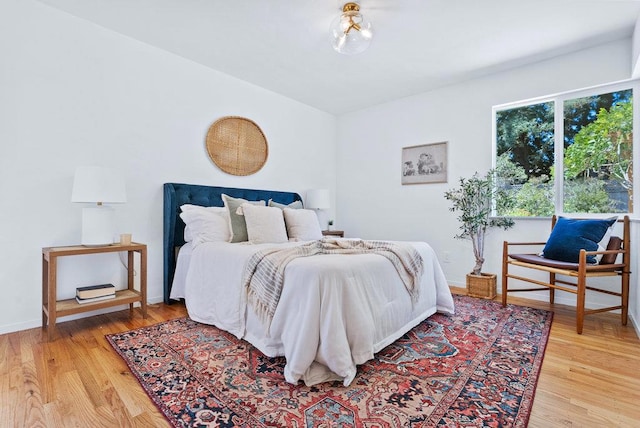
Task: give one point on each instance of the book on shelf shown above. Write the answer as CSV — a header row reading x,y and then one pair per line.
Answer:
x,y
95,291
95,299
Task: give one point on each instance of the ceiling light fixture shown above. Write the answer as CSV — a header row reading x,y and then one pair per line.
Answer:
x,y
350,32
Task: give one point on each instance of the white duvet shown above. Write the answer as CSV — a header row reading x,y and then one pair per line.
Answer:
x,y
334,313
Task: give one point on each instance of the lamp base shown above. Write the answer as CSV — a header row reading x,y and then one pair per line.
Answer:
x,y
97,226
323,218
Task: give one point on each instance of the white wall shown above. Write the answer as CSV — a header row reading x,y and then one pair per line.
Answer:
x,y
73,93
635,46
373,204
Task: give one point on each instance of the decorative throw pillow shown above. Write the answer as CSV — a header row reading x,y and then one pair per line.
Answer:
x,y
302,225
237,224
205,224
569,236
264,224
296,205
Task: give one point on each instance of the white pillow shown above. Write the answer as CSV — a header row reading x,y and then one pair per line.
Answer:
x,y
302,224
188,234
602,245
205,224
294,205
264,224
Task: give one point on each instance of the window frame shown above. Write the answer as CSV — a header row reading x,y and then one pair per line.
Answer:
x,y
558,101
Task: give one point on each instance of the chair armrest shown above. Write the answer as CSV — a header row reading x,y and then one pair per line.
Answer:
x,y
524,243
603,262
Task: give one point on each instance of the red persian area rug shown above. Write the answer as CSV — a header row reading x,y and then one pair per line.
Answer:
x,y
476,368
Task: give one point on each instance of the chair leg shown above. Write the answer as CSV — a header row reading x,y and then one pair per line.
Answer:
x,y
625,297
552,291
581,292
505,267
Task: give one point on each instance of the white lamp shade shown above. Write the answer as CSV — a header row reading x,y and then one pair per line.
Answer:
x,y
95,184
318,199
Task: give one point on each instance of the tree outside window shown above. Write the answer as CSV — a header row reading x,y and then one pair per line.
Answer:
x,y
597,154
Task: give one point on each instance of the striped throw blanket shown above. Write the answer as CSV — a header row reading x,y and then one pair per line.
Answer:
x,y
264,273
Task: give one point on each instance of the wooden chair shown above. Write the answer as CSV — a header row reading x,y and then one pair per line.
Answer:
x,y
576,274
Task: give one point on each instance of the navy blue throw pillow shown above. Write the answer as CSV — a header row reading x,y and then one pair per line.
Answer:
x,y
569,236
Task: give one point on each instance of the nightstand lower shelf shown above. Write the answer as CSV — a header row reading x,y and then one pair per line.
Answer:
x,y
71,306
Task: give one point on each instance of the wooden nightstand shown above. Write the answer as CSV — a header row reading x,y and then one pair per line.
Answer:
x,y
52,308
337,233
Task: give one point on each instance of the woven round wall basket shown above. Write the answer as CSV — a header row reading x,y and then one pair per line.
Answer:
x,y
237,145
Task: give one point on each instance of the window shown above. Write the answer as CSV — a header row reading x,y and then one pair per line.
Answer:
x,y
572,153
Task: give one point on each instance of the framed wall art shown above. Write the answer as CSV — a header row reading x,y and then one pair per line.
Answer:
x,y
424,164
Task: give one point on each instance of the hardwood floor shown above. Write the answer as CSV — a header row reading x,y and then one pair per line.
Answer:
x,y
77,380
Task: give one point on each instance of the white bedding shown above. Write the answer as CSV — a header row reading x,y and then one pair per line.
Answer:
x,y
334,313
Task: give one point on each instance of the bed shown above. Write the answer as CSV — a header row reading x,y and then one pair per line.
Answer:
x,y
334,311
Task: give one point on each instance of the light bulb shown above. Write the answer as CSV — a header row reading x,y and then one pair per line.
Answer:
x,y
351,33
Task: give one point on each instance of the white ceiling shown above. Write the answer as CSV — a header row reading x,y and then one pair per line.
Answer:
x,y
419,45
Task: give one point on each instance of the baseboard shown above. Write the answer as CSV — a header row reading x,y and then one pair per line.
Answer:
x,y
12,328
635,324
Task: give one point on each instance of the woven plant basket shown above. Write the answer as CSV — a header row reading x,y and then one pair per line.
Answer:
x,y
237,145
483,285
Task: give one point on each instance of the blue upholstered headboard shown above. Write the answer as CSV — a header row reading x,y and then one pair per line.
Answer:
x,y
176,194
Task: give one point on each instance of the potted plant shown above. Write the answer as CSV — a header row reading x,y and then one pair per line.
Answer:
x,y
330,225
474,200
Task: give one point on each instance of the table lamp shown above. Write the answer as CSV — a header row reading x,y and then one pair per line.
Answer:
x,y
99,186
319,199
